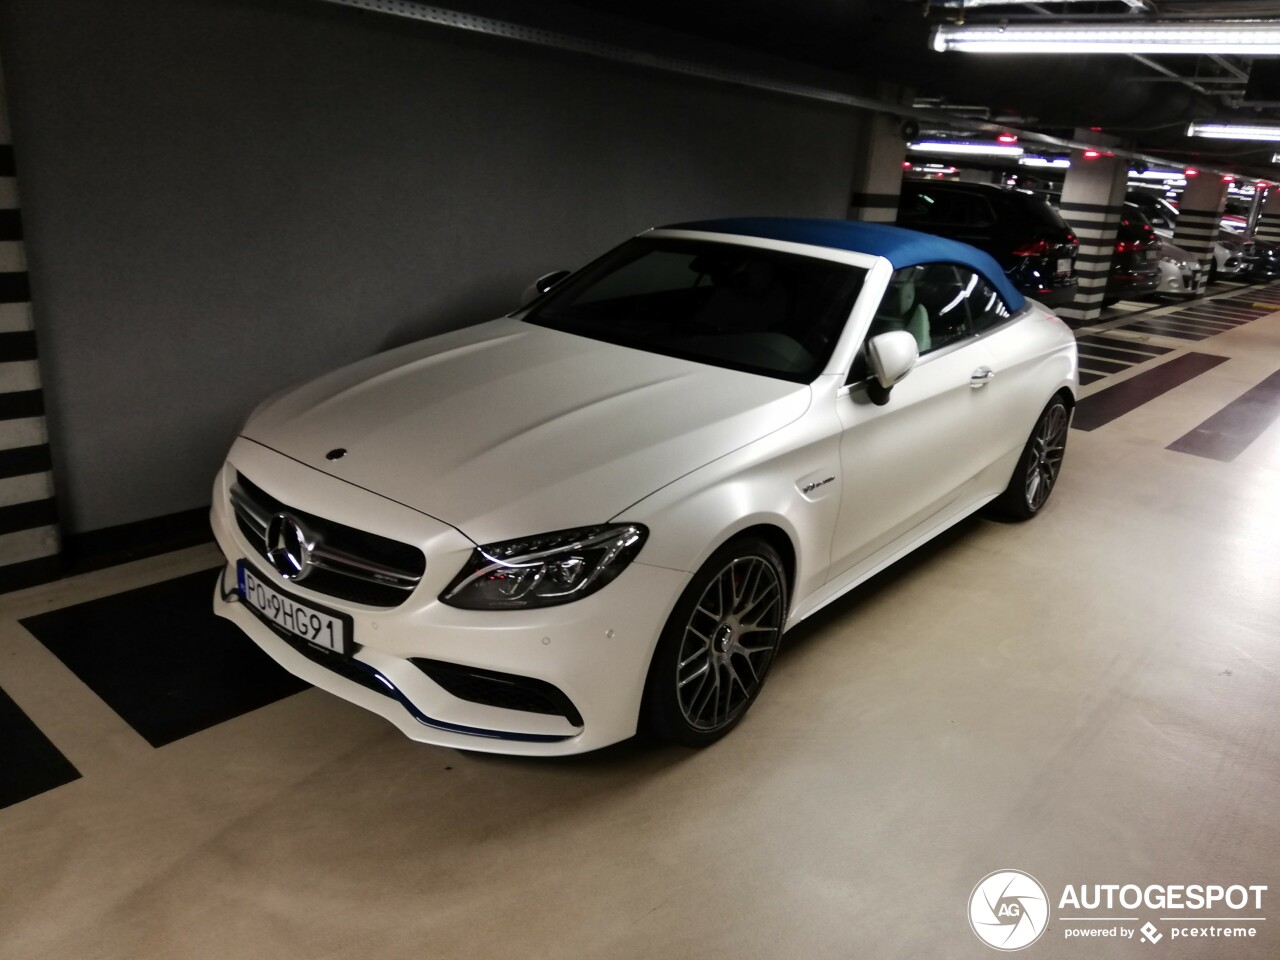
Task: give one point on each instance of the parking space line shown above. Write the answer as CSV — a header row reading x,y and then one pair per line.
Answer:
x,y
1114,401
1226,434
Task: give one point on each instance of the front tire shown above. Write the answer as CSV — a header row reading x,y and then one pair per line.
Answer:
x,y
1037,471
718,645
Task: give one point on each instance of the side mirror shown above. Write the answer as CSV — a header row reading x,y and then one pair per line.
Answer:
x,y
890,356
541,286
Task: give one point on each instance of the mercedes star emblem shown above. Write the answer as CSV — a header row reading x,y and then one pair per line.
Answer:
x,y
288,547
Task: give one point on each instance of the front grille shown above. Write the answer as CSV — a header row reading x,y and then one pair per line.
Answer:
x,y
495,689
346,563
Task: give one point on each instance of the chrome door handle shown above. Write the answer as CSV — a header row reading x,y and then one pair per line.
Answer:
x,y
981,377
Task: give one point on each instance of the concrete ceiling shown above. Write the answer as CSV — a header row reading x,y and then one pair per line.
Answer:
x,y
1146,102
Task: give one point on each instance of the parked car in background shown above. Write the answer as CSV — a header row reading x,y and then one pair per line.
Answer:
x,y
1028,238
605,509
1180,273
1228,257
1261,259
1135,262
1227,260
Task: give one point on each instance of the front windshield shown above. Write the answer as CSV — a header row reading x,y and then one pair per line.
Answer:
x,y
745,308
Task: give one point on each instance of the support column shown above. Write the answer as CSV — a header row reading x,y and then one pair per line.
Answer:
x,y
1199,215
877,179
1261,191
29,541
1092,201
1269,221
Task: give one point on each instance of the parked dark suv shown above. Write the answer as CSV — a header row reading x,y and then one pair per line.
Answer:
x,y
1135,263
1026,236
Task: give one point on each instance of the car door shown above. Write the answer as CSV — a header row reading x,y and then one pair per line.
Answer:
x,y
1017,352
911,463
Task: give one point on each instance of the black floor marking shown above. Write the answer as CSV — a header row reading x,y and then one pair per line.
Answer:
x,y
29,763
1166,330
1102,366
1216,314
1226,434
1087,378
161,659
1196,325
1115,401
1199,317
1124,343
1120,355
1190,325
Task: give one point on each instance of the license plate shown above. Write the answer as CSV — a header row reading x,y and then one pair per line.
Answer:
x,y
1153,254
306,621
1064,265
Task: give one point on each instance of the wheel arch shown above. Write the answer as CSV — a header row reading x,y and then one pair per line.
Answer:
x,y
780,540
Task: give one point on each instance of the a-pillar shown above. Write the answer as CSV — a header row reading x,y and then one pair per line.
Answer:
x,y
1269,221
877,175
1199,215
29,542
1092,201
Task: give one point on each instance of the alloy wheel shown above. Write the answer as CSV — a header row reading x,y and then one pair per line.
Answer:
x,y
1047,447
729,642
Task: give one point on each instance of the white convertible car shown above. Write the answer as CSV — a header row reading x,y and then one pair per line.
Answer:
x,y
603,511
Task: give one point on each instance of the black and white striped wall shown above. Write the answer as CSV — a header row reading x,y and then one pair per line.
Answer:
x,y
1199,213
29,541
1092,201
1095,226
1269,219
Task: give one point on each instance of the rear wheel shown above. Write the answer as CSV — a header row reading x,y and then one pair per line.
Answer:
x,y
718,645
1037,470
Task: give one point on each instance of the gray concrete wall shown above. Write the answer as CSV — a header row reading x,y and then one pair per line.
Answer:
x,y
226,196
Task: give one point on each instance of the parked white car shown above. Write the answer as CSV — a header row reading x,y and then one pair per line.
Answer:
x,y
1228,261
604,510
1180,272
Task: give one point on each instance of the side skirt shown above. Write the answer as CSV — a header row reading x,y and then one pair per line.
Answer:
x,y
834,589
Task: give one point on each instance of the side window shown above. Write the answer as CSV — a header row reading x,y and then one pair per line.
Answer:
x,y
900,308
941,291
952,207
915,206
987,308
928,301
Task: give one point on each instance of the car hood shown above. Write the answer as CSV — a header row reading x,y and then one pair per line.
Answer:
x,y
1171,251
508,429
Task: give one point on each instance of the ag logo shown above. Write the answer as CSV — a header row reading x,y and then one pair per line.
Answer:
x,y
1008,910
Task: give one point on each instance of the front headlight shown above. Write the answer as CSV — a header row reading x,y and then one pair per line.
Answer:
x,y
545,570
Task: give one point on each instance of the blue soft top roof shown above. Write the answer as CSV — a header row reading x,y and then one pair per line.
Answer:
x,y
902,248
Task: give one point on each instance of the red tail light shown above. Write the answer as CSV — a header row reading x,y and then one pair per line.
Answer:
x,y
1127,246
1037,249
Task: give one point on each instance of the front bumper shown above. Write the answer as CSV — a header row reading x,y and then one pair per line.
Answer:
x,y
1184,281
595,651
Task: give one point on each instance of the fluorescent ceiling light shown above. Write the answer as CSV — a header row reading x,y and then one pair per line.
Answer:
x,y
970,4
1057,163
1172,182
1248,37
1234,131
1155,175
961,147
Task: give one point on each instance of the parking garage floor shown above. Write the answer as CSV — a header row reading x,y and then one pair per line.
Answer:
x,y
1091,698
